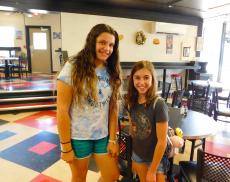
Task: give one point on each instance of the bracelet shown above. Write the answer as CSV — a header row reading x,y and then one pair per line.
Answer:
x,y
65,142
113,141
66,151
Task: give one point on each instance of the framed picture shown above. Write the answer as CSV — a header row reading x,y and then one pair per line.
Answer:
x,y
186,51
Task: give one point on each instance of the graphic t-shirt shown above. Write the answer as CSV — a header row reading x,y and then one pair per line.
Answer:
x,y
90,122
144,119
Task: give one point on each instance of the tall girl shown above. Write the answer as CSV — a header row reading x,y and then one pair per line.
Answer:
x,y
87,111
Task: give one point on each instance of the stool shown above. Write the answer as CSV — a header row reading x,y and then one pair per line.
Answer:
x,y
177,79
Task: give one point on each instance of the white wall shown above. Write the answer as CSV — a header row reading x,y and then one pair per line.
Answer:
x,y
15,20
75,28
19,21
54,21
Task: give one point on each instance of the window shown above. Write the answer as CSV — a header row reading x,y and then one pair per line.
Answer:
x,y
39,41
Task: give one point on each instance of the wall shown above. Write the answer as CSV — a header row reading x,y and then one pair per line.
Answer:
x,y
76,26
19,21
15,20
52,20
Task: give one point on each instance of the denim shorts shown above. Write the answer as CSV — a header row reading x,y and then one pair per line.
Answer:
x,y
162,168
85,148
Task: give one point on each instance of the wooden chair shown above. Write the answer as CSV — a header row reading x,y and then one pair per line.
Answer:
x,y
209,167
216,110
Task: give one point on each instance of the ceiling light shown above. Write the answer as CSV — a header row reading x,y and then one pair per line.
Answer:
x,y
38,11
6,8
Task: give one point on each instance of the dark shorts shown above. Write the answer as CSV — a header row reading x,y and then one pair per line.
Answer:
x,y
85,148
162,168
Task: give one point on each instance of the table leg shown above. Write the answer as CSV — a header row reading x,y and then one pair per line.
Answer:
x,y
203,144
192,149
163,86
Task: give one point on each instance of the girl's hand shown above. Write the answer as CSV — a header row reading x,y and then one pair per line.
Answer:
x,y
68,157
151,176
113,149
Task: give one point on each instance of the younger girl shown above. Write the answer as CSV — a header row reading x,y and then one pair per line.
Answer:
x,y
149,124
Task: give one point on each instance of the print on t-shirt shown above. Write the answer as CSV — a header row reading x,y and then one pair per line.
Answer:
x,y
141,126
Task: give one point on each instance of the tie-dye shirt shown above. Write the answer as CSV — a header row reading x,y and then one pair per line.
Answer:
x,y
91,121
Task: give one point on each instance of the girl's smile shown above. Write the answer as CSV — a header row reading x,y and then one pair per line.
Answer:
x,y
142,80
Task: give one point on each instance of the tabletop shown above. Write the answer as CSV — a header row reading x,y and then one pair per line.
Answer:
x,y
215,85
9,58
194,125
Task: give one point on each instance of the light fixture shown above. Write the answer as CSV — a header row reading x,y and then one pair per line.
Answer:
x,y
7,8
38,11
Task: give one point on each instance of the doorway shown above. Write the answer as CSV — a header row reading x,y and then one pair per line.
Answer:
x,y
38,41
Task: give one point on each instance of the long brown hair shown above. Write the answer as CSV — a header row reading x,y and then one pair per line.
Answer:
x,y
84,77
132,96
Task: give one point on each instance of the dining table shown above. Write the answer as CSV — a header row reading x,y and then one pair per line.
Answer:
x,y
204,83
195,126
7,65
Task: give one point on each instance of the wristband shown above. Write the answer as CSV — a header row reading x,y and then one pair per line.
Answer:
x,y
66,151
65,142
113,141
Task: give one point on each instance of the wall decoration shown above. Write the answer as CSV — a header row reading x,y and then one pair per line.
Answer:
x,y
169,44
140,38
56,35
18,34
186,51
120,36
156,41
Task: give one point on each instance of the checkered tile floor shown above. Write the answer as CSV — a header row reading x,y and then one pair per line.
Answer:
x,y
30,151
29,148
29,144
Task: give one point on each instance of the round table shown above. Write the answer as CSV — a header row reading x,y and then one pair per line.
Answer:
x,y
194,125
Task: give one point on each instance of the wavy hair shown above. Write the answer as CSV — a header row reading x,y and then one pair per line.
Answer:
x,y
132,96
84,78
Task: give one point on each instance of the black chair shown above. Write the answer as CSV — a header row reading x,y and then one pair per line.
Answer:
x,y
224,99
199,100
177,98
177,78
166,90
209,167
124,158
19,67
216,110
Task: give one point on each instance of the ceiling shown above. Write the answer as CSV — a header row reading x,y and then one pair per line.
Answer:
x,y
193,8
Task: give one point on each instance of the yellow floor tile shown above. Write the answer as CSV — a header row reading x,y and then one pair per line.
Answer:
x,y
14,117
11,172
61,171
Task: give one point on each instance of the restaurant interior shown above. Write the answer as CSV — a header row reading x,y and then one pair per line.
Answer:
x,y
188,42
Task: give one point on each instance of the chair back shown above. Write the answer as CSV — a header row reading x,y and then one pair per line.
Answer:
x,y
178,81
166,89
211,167
177,98
125,154
199,101
216,110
